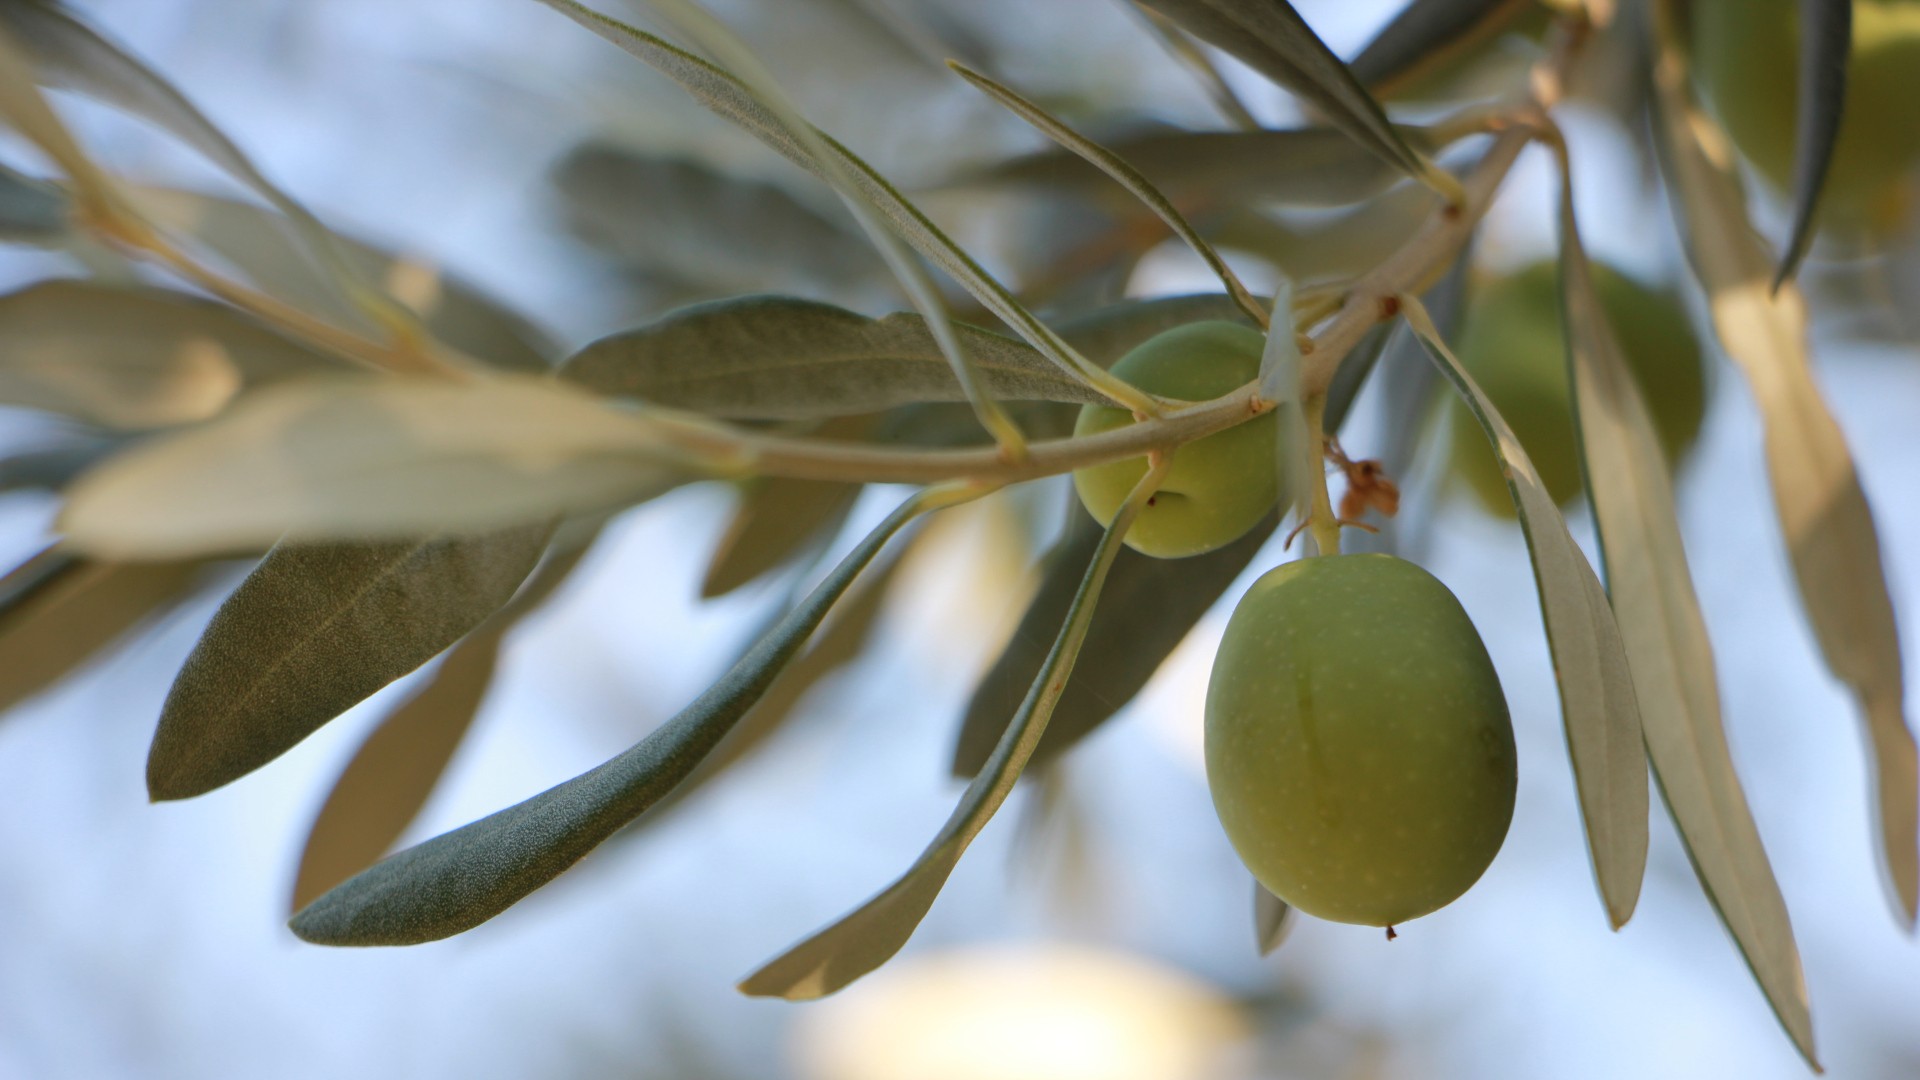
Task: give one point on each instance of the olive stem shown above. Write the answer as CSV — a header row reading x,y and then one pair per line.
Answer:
x,y
1321,523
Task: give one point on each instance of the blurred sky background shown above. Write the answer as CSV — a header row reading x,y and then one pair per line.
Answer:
x,y
149,941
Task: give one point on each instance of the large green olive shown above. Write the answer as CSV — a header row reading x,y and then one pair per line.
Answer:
x,y
1511,341
1747,58
1220,486
1357,742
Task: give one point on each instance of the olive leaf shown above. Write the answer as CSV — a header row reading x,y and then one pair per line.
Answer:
x,y
777,518
26,110
1427,34
1597,702
1666,640
1826,44
1126,176
69,54
1183,48
460,879
312,632
727,96
1106,334
719,40
31,211
400,762
57,610
256,242
1273,920
132,356
1272,38
53,467
1147,608
842,640
691,222
1304,167
372,459
867,937
1817,496
780,357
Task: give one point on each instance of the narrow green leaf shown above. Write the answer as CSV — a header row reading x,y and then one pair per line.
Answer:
x,y
777,357
1148,607
720,41
257,243
400,762
840,642
1303,167
687,221
1191,56
1273,920
31,211
1823,511
134,357
777,519
1428,34
1126,176
461,879
726,95
1109,333
869,936
312,632
1826,44
1272,38
25,110
372,459
1596,688
71,55
1666,638
58,610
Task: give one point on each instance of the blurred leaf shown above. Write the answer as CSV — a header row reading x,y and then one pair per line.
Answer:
x,y
1826,43
1590,663
697,224
776,519
1183,48
1147,608
869,936
725,95
256,242
26,110
52,468
71,55
1313,167
1273,920
764,357
31,211
1823,512
399,764
57,610
134,357
1428,34
1325,247
461,879
1666,639
1125,175
370,459
1272,38
312,632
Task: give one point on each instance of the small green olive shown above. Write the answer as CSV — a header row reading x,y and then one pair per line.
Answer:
x,y
1747,58
1357,741
1511,342
1219,487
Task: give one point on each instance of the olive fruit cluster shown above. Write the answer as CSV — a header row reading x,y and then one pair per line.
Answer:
x,y
1357,741
1746,55
1511,340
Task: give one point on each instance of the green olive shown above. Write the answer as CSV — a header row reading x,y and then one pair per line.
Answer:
x,y
1747,58
1219,487
1511,342
1357,742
